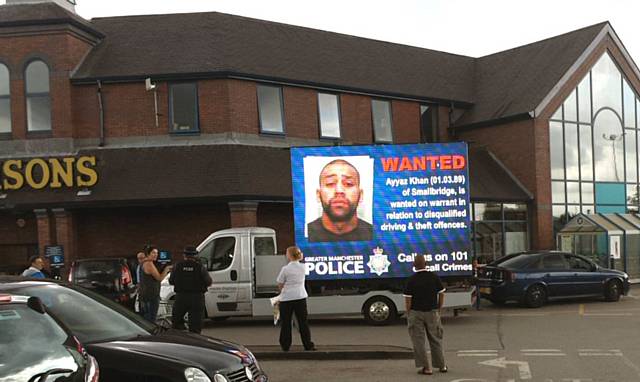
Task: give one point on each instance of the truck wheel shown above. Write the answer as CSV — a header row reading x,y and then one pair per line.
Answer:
x,y
379,310
535,296
612,291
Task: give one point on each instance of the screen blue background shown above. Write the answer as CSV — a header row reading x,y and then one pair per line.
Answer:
x,y
392,243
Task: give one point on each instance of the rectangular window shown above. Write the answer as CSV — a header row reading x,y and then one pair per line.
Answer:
x,y
39,113
382,125
329,110
5,115
271,109
630,153
183,107
586,157
556,144
428,123
571,151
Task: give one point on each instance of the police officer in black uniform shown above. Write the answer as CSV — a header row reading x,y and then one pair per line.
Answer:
x,y
190,280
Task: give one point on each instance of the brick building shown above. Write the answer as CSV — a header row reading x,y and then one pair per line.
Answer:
x,y
119,131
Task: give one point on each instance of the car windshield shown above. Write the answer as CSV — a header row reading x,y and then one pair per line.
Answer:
x,y
518,261
31,343
89,316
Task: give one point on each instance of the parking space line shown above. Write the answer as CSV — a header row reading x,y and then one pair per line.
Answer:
x,y
609,314
542,352
600,352
581,309
477,353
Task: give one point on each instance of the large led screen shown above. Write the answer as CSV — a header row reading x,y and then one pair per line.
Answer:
x,y
363,212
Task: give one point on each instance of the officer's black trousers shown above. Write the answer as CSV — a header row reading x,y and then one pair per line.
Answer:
x,y
192,303
287,310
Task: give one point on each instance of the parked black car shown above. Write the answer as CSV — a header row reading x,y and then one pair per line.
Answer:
x,y
129,348
110,277
535,277
36,347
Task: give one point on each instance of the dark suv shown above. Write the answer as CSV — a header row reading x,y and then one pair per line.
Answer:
x,y
110,277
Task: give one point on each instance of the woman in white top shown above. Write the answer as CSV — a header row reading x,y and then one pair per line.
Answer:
x,y
293,299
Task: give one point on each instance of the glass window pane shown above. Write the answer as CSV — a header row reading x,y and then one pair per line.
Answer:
x,y
607,91
632,198
382,124
557,192
586,153
559,216
588,209
515,211
270,108
571,108
587,193
5,115
608,146
629,105
427,124
515,237
573,192
37,77
556,150
584,100
184,115
4,80
558,114
571,150
329,115
39,113
637,114
631,161
487,211
488,240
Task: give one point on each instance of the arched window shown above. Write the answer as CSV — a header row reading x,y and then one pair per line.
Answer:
x,y
609,145
37,94
5,101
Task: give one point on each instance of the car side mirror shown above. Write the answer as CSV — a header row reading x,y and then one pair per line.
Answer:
x,y
36,304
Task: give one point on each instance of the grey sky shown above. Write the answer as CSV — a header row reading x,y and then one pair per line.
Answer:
x,y
469,27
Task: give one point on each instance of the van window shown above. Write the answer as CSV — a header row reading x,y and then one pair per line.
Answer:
x,y
264,246
218,254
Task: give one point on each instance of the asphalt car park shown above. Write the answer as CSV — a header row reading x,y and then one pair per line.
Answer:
x,y
572,340
128,348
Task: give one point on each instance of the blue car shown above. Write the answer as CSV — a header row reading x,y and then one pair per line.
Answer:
x,y
533,278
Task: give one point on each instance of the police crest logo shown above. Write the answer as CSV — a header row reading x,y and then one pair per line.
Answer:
x,y
379,263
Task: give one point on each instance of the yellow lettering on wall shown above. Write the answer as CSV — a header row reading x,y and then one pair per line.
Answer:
x,y
28,173
59,172
10,173
89,174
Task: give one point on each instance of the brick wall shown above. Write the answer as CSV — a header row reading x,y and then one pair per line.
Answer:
x,y
18,239
62,52
124,231
278,216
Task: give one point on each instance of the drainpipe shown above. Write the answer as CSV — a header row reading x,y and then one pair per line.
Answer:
x,y
101,114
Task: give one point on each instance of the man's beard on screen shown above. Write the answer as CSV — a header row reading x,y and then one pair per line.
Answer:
x,y
348,215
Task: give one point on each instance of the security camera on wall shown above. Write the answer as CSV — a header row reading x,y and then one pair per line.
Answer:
x,y
148,85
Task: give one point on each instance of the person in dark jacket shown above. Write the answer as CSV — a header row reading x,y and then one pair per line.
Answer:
x,y
190,280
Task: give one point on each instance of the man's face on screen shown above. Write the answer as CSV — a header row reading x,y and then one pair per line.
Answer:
x,y
339,191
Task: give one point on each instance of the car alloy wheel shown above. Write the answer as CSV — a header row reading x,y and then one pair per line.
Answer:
x,y
535,296
613,291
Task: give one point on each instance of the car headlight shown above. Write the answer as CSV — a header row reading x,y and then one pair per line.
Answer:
x,y
220,378
193,374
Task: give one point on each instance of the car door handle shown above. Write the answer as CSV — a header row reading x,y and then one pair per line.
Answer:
x,y
547,275
234,275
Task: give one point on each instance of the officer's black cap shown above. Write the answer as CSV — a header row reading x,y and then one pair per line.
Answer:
x,y
190,250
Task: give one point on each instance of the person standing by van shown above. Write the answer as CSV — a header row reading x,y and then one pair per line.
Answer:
x,y
149,289
293,299
190,280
